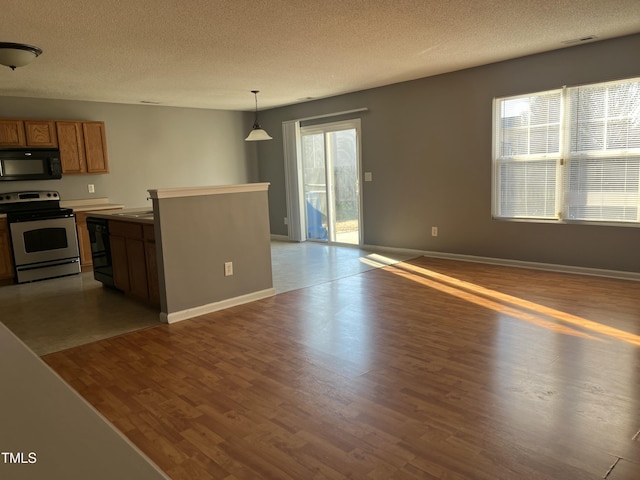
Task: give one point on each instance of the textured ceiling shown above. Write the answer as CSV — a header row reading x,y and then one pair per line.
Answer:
x,y
210,54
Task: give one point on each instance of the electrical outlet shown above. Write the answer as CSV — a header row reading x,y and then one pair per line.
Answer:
x,y
434,231
92,188
368,176
228,269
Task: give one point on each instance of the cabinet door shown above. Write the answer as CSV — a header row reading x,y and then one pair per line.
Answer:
x,y
41,133
137,268
95,142
12,133
119,262
71,145
84,241
6,259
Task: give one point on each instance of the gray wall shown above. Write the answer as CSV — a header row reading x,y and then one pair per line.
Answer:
x,y
428,144
149,147
196,235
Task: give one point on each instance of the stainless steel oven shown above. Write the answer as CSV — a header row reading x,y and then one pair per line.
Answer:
x,y
43,235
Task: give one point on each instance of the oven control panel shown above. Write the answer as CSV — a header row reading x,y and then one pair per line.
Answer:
x,y
33,196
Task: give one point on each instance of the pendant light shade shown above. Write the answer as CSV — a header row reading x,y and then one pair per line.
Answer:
x,y
15,55
257,133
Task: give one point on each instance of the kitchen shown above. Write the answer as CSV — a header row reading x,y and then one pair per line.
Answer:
x,y
224,228
72,192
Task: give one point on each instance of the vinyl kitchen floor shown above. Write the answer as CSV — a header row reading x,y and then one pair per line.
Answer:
x,y
56,314
300,265
60,313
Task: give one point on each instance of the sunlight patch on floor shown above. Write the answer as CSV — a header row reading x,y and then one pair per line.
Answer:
x,y
519,308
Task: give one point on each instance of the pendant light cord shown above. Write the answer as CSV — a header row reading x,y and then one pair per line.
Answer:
x,y
255,95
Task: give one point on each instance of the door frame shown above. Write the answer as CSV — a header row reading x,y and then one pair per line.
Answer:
x,y
327,128
292,173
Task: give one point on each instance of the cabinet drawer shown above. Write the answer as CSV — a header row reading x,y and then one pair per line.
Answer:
x,y
125,229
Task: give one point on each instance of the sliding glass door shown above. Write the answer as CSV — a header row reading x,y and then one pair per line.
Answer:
x,y
331,181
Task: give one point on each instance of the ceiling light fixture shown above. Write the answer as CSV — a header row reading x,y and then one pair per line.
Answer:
x,y
257,133
14,55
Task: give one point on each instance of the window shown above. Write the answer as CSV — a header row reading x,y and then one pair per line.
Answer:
x,y
571,154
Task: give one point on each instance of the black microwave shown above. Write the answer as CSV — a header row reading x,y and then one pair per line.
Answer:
x,y
30,164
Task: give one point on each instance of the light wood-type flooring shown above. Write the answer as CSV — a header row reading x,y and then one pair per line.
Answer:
x,y
426,369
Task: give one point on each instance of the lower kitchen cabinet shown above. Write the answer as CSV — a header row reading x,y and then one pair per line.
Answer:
x,y
6,258
134,260
84,242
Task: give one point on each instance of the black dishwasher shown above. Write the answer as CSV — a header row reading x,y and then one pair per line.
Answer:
x,y
100,250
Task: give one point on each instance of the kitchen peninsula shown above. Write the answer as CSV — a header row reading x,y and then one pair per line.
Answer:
x,y
208,247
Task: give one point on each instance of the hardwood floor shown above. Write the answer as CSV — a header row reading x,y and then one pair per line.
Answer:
x,y
425,369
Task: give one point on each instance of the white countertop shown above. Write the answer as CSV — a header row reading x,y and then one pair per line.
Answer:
x,y
139,215
90,204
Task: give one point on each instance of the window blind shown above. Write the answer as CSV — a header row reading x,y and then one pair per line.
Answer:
x,y
603,178
569,154
528,154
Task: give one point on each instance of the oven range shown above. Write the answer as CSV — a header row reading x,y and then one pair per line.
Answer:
x,y
43,235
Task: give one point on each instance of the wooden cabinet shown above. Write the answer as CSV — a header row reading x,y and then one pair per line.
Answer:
x,y
28,133
95,144
71,145
84,241
41,133
134,261
83,147
6,258
12,133
120,262
128,256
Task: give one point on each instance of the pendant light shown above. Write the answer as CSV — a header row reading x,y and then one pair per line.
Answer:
x,y
257,133
15,55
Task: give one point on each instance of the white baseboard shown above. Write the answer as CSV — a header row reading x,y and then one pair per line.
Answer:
x,y
174,317
597,272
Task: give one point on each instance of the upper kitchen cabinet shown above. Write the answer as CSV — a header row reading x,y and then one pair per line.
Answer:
x,y
83,147
28,133
12,133
41,133
95,143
